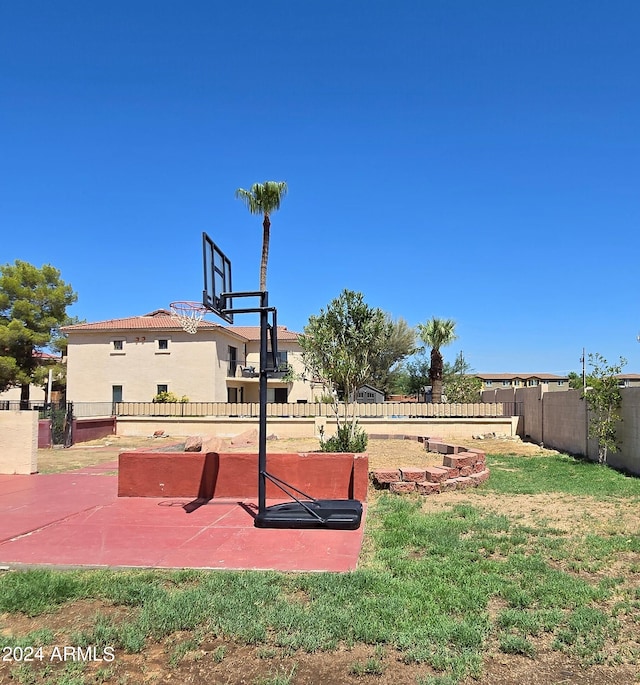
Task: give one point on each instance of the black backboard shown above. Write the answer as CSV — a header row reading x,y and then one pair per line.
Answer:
x,y
217,279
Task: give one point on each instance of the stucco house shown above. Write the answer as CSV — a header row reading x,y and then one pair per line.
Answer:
x,y
133,359
38,395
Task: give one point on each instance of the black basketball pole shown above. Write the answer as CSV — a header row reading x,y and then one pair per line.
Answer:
x,y
262,424
304,511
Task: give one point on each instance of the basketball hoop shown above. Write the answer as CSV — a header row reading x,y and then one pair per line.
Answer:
x,y
188,314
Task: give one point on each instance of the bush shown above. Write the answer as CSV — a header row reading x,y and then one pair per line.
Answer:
x,y
165,397
346,440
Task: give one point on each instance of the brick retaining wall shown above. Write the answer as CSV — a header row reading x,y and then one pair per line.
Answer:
x,y
461,468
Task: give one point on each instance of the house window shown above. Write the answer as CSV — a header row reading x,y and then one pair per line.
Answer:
x,y
117,346
232,358
116,393
488,383
516,382
278,395
162,388
532,381
505,383
232,394
560,382
162,345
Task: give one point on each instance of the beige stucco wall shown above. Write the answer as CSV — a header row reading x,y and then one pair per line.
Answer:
x,y
36,394
533,412
559,420
628,458
195,366
564,422
18,442
308,427
192,366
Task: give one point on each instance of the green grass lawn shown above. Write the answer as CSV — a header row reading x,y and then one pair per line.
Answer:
x,y
437,588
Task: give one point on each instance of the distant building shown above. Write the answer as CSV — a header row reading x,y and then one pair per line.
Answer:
x,y
494,381
37,393
629,380
367,393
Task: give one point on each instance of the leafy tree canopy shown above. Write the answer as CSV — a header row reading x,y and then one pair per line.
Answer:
x,y
33,305
338,348
414,375
458,382
398,342
340,344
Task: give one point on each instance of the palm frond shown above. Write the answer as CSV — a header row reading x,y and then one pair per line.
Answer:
x,y
437,333
263,198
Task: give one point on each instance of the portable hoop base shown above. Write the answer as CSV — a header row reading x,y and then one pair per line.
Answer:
x,y
336,514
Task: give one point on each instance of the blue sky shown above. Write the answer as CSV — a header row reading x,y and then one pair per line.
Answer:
x,y
472,160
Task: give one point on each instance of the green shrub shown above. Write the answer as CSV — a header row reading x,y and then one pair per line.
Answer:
x,y
346,439
165,397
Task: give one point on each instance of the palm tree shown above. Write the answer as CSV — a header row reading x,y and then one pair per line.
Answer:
x,y
437,333
263,199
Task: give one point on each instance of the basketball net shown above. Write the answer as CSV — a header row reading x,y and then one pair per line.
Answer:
x,y
188,314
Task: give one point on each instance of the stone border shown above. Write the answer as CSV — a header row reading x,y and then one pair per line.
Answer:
x,y
462,467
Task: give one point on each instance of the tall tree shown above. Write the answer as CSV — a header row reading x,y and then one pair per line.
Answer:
x,y
415,375
33,305
263,199
459,385
338,348
437,333
399,341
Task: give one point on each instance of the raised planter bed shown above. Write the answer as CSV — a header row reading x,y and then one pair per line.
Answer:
x,y
170,473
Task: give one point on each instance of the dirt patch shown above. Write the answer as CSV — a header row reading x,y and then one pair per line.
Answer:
x,y
58,460
214,660
382,453
565,513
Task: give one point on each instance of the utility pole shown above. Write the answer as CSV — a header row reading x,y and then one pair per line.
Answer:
x,y
584,373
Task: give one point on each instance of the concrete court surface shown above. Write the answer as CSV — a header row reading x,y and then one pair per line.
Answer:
x,y
75,519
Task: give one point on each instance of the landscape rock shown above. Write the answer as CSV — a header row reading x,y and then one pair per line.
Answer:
x,y
436,474
249,437
385,476
193,443
427,488
412,474
402,487
213,443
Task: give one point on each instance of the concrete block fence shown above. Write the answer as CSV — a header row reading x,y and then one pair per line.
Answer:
x,y
462,467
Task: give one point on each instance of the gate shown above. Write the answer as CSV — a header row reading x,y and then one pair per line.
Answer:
x,y
61,416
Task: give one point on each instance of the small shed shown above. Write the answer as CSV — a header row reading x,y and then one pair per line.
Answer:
x,y
367,393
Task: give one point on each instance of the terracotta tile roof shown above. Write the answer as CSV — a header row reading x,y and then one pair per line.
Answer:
x,y
161,319
46,356
253,333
